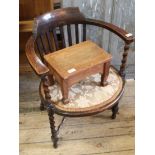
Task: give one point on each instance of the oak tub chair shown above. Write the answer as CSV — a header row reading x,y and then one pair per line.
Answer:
x,y
44,40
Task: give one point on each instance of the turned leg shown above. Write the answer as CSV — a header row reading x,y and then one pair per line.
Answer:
x,y
124,60
54,136
50,80
105,74
64,90
50,110
115,109
42,105
42,108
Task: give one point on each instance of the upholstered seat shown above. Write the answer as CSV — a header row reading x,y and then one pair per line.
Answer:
x,y
88,95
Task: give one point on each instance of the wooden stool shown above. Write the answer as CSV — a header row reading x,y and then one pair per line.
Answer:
x,y
72,64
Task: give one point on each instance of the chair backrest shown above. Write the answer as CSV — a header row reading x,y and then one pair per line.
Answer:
x,y
46,27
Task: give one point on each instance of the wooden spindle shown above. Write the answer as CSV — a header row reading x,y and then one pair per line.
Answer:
x,y
40,48
84,32
69,35
62,36
43,42
48,36
55,38
124,60
46,89
77,33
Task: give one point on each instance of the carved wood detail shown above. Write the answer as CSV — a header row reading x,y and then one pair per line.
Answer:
x,y
54,136
50,110
124,60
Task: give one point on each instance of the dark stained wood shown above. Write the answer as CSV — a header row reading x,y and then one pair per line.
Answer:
x,y
69,35
54,136
84,32
40,47
48,35
113,28
56,18
62,36
55,39
46,89
50,111
34,60
42,107
124,60
115,109
77,33
44,45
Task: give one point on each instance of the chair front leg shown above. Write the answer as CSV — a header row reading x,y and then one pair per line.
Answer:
x,y
50,111
42,107
115,109
54,136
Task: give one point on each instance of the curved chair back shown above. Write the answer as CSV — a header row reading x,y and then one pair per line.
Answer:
x,y
47,26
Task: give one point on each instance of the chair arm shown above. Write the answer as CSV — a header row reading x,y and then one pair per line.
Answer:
x,y
33,59
113,28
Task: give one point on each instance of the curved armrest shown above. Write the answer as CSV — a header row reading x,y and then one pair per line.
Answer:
x,y
118,31
33,59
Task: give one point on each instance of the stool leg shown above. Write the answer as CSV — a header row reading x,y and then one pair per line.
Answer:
x,y
64,89
115,109
54,136
105,74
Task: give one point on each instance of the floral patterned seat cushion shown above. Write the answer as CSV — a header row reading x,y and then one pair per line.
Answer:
x,y
88,93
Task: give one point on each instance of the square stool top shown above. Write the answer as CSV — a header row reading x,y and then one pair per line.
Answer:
x,y
76,58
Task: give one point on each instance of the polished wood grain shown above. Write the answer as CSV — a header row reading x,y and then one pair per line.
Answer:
x,y
58,17
84,59
34,60
113,28
80,56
